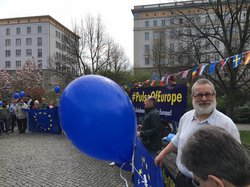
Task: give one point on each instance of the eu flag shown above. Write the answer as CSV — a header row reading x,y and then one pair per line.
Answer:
x,y
44,120
146,172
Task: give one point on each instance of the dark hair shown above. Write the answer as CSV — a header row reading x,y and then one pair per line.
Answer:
x,y
213,151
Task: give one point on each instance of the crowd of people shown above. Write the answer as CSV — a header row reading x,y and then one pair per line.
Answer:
x,y
12,113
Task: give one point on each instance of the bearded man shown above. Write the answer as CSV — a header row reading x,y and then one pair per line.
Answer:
x,y
204,113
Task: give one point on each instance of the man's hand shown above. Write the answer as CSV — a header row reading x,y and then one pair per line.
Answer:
x,y
159,160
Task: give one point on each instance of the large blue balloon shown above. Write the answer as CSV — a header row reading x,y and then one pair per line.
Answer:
x,y
98,117
16,95
22,93
57,89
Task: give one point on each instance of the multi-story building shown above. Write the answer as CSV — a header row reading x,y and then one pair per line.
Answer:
x,y
157,22
40,38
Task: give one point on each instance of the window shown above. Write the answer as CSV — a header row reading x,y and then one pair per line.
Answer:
x,y
147,61
18,63
39,53
181,21
171,34
39,29
146,23
156,35
18,52
40,64
28,30
172,21
146,35
28,52
146,49
7,42
39,41
18,30
7,64
7,53
171,46
163,22
155,23
7,31
217,44
28,41
18,42
217,57
58,34
180,46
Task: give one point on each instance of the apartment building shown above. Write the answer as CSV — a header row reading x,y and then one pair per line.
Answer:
x,y
40,38
153,21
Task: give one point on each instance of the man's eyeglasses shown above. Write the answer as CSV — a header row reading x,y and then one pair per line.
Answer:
x,y
201,95
195,183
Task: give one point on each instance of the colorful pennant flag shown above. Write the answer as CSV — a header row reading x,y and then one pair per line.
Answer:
x,y
194,71
153,83
201,69
223,63
211,69
247,59
236,60
184,74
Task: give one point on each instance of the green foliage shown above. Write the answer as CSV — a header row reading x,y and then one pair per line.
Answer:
x,y
221,103
243,113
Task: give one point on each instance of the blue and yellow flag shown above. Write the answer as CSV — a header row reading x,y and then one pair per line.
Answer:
x,y
44,120
146,172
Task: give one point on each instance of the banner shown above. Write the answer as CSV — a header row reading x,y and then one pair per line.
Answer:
x,y
171,101
44,121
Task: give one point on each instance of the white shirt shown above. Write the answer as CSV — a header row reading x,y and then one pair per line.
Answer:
x,y
189,124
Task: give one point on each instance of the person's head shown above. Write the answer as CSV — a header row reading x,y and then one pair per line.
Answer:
x,y
216,158
203,96
150,102
20,100
36,102
43,100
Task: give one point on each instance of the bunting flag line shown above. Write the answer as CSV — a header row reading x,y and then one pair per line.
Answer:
x,y
211,69
247,59
223,63
236,60
201,69
184,74
153,83
194,72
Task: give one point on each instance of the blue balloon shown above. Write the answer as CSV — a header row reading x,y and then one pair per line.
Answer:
x,y
1,103
98,117
57,89
22,93
16,96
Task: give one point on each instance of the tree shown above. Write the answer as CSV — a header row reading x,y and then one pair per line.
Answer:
x,y
6,87
28,78
216,30
93,51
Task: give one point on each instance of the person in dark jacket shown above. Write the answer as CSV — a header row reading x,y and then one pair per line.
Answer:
x,y
151,130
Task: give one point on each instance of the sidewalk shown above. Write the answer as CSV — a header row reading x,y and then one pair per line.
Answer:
x,y
243,127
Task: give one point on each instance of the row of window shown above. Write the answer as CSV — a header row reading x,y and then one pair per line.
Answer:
x,y
18,64
18,30
28,41
18,53
197,19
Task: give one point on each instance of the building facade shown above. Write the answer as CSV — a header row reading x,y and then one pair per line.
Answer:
x,y
157,22
37,38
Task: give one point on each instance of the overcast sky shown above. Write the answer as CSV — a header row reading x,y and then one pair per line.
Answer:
x,y
116,15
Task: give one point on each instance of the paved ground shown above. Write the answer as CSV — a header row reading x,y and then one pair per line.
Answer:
x,y
243,127
43,160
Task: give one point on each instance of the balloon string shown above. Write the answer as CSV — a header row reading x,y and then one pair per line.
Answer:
x,y
126,182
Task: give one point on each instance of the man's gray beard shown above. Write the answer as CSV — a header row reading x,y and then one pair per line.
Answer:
x,y
204,110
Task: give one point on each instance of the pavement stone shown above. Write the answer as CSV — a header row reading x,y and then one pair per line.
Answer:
x,y
47,160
